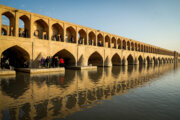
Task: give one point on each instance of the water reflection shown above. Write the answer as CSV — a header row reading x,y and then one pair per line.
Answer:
x,y
59,95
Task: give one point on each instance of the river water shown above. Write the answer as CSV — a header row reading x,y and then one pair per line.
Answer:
x,y
112,93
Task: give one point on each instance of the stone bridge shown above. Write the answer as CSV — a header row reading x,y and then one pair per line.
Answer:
x,y
42,36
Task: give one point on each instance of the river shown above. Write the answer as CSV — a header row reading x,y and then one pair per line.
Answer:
x,y
110,93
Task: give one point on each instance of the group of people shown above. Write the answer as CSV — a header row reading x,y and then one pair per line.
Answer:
x,y
52,62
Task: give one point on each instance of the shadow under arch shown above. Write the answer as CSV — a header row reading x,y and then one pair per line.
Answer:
x,y
95,59
41,29
130,60
148,60
140,60
69,59
17,57
116,60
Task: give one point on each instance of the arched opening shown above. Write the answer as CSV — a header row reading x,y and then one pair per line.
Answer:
x,y
140,60
82,37
124,44
154,60
92,39
148,60
100,40
142,48
57,32
95,59
69,59
41,29
107,41
15,57
8,20
136,49
128,45
70,35
132,46
130,60
113,43
116,60
24,26
119,43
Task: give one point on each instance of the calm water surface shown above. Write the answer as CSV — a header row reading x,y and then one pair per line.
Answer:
x,y
113,93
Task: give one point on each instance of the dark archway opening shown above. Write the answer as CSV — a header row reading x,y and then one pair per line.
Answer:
x,y
116,60
92,39
41,29
100,40
140,60
24,26
130,60
70,35
95,59
8,21
69,59
148,60
154,60
82,39
15,57
57,32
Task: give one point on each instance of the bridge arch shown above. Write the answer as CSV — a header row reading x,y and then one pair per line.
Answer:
x,y
107,41
41,29
11,19
119,44
100,40
135,47
140,59
139,48
57,32
25,30
82,37
132,46
95,59
128,45
113,42
142,48
124,44
116,60
16,57
130,60
148,60
70,35
69,59
154,60
92,38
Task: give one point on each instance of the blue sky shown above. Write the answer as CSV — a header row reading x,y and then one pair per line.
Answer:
x,y
156,22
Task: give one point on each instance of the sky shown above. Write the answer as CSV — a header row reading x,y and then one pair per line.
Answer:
x,y
156,22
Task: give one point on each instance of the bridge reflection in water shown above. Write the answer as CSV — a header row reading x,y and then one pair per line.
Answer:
x,y
59,95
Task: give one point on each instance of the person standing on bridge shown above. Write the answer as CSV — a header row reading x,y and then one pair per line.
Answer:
x,y
61,62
